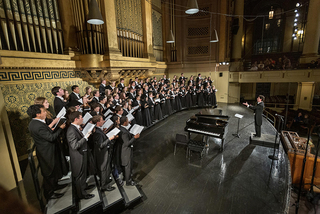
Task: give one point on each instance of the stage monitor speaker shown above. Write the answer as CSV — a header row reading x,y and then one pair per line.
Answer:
x,y
235,26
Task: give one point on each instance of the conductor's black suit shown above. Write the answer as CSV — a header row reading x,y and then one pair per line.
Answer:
x,y
102,156
126,139
258,110
78,158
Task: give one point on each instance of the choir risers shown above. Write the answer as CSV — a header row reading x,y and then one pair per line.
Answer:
x,y
111,198
89,204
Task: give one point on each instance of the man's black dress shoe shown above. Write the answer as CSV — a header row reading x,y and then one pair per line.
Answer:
x,y
88,196
256,135
120,182
56,195
89,187
109,188
130,183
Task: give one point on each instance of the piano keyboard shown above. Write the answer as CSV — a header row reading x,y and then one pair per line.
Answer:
x,y
204,132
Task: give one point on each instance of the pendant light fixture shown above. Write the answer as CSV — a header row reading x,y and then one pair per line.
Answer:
x,y
214,38
171,37
94,17
213,33
192,7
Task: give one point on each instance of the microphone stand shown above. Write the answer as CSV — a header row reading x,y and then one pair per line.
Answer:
x,y
274,157
314,168
302,171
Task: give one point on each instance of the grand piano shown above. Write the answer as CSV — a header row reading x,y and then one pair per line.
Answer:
x,y
208,125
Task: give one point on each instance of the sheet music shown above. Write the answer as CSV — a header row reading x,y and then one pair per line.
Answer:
x,y
62,112
86,118
88,128
157,100
136,129
107,118
238,116
60,115
107,124
130,117
80,101
114,131
108,112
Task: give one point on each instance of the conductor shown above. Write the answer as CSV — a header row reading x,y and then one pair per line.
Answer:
x,y
258,110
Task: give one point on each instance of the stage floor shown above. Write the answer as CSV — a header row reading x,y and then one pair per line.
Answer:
x,y
241,179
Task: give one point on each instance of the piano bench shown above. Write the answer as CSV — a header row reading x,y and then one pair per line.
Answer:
x,y
196,146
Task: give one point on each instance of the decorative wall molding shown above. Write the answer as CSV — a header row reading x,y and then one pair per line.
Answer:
x,y
8,76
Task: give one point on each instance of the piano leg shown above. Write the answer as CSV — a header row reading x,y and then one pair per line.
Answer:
x,y
222,145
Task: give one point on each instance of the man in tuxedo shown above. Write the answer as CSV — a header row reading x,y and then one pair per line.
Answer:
x,y
58,102
102,87
102,102
182,78
78,155
131,94
102,153
198,78
126,140
74,96
48,153
111,86
258,110
121,84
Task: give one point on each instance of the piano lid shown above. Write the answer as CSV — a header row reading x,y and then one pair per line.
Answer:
x,y
216,117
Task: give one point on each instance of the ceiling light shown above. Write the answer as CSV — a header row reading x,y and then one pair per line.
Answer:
x,y
192,7
94,17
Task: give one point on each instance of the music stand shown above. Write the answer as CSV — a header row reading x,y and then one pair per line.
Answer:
x,y
239,116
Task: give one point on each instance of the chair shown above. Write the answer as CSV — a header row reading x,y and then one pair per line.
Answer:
x,y
181,139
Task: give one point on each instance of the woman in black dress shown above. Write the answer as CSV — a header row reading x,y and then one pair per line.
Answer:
x,y
200,96
168,103
145,113
163,103
157,108
85,107
177,99
188,97
138,112
151,106
172,99
183,97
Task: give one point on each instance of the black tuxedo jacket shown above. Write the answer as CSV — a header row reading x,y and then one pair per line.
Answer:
x,y
126,140
45,141
101,149
120,86
102,90
58,104
77,145
110,88
73,100
258,110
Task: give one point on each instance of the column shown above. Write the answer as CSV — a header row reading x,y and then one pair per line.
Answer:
x,y
237,39
9,167
110,24
311,42
147,29
223,35
305,93
68,27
